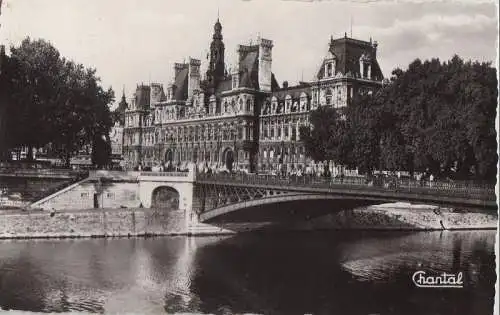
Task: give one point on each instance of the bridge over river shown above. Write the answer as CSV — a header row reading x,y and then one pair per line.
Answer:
x,y
241,197
199,200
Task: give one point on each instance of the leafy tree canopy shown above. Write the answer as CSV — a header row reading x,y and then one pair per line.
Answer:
x,y
435,117
53,100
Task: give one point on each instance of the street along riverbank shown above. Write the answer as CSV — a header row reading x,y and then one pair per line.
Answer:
x,y
156,222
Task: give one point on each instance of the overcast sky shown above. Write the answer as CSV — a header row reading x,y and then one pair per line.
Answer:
x,y
134,41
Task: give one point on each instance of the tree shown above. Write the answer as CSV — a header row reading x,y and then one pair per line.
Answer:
x,y
31,70
442,119
54,100
327,139
433,117
101,151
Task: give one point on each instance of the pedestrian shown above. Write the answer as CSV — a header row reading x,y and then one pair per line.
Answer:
x,y
431,179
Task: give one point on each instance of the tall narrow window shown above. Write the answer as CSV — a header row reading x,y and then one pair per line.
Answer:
x,y
248,105
328,96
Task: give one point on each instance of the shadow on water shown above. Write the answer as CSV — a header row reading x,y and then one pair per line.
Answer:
x,y
285,273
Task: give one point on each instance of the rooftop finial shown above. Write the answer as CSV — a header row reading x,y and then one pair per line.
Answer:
x,y
351,25
217,14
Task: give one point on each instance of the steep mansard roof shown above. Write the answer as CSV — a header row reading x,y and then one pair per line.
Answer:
x,y
294,91
249,67
348,51
181,84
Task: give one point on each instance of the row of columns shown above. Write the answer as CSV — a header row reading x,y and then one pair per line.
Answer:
x,y
266,127
242,131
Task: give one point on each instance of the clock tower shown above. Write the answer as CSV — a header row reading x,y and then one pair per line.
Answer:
x,y
216,68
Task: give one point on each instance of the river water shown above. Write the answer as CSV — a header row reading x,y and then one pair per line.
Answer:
x,y
294,273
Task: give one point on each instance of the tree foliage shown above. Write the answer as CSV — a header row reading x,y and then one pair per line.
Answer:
x,y
435,117
53,100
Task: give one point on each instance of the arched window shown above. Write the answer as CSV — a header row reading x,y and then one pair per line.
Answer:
x,y
274,105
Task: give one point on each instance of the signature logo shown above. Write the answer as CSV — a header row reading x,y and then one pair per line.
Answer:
x,y
443,280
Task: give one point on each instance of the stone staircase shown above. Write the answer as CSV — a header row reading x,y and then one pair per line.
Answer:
x,y
20,191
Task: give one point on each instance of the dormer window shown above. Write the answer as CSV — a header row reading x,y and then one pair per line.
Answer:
x,y
366,70
365,67
329,65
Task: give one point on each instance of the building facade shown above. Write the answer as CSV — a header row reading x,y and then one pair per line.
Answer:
x,y
241,119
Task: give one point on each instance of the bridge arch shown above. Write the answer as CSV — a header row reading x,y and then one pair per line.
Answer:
x,y
280,202
165,197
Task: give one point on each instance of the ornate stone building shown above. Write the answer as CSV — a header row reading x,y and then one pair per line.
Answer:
x,y
242,120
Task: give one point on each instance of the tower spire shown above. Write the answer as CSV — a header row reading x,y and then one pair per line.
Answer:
x,y
216,68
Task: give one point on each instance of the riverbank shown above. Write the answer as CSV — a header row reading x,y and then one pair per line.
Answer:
x,y
91,223
406,216
162,222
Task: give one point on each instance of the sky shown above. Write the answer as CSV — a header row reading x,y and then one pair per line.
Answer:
x,y
131,42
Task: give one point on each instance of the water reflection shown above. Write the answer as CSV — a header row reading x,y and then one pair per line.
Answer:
x,y
320,273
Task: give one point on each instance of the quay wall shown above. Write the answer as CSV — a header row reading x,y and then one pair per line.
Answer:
x,y
149,222
92,223
402,216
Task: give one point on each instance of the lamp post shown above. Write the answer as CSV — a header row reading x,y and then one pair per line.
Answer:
x,y
282,156
233,135
217,152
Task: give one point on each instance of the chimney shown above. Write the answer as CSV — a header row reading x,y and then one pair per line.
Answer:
x,y
265,63
156,92
177,68
194,76
235,71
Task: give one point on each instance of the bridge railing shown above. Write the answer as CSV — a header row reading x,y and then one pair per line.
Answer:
x,y
448,189
171,174
12,171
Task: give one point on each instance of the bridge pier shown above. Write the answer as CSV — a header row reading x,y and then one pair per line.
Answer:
x,y
184,183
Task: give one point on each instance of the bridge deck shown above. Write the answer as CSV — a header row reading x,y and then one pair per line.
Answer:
x,y
447,193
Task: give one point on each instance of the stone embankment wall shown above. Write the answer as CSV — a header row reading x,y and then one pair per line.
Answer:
x,y
92,223
403,216
143,222
92,193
